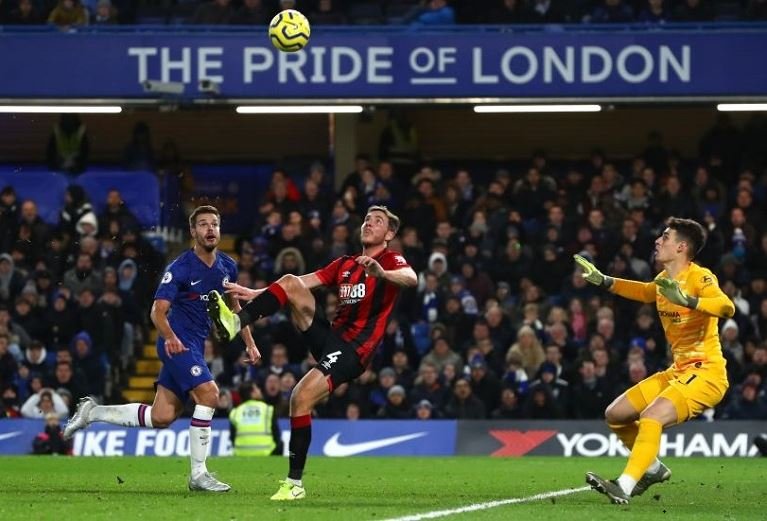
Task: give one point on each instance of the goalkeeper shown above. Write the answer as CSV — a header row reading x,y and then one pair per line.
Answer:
x,y
689,303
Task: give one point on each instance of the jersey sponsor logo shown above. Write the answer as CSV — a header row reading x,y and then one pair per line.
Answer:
x,y
166,278
351,293
196,370
669,314
334,447
195,282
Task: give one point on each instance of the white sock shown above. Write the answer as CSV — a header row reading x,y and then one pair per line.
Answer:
x,y
129,415
296,482
199,438
654,466
627,483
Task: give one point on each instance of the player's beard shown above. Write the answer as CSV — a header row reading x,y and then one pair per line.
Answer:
x,y
205,246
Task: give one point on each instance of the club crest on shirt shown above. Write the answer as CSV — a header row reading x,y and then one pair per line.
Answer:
x,y
166,278
225,281
196,370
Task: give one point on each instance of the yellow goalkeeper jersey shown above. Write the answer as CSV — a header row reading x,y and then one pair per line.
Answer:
x,y
692,333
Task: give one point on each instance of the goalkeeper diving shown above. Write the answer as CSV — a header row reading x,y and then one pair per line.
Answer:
x,y
689,303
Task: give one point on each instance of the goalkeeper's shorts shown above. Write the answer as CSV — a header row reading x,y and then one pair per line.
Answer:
x,y
692,389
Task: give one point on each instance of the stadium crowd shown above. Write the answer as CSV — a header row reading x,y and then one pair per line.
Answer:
x,y
69,14
501,324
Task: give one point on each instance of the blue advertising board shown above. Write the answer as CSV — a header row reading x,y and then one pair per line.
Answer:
x,y
342,438
390,64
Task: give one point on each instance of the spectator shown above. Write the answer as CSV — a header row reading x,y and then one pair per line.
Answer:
x,y
51,440
66,15
528,348
254,426
428,386
424,410
215,12
441,355
612,11
507,12
509,408
9,408
396,406
253,12
11,280
693,11
590,395
655,12
327,13
540,404
463,405
25,14
435,12
544,12
106,13
83,277
9,217
43,402
749,405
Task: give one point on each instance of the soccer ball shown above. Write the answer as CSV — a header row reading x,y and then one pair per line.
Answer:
x,y
289,31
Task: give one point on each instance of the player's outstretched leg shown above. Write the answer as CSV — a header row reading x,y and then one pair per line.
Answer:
x,y
226,323
609,488
81,418
650,478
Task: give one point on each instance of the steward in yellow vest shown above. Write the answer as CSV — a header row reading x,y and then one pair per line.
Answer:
x,y
254,428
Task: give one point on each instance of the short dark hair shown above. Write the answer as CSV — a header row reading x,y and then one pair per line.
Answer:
x,y
393,219
202,210
690,232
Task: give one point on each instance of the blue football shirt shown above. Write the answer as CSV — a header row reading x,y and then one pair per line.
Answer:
x,y
186,283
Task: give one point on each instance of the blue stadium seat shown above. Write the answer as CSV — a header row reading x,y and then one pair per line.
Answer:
x,y
139,190
45,188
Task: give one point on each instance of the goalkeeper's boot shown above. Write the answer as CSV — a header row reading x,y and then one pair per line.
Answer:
x,y
609,488
289,492
207,482
79,419
651,478
226,323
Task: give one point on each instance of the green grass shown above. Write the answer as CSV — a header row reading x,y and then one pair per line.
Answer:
x,y
362,489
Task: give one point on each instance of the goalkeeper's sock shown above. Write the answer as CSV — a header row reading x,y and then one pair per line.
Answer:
x,y
199,438
300,438
267,303
128,415
626,432
645,449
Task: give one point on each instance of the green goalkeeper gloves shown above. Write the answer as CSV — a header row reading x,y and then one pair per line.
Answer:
x,y
670,289
591,273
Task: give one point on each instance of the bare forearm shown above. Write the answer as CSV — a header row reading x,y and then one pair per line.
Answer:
x,y
160,320
401,277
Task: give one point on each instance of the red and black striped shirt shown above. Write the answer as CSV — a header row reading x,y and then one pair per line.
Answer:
x,y
364,303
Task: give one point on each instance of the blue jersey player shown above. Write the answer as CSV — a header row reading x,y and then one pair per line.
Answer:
x,y
180,317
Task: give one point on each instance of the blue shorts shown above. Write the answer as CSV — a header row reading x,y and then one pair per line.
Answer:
x,y
182,372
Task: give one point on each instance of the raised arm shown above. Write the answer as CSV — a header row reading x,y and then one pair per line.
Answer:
x,y
630,289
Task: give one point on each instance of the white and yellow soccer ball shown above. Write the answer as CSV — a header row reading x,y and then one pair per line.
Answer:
x,y
289,31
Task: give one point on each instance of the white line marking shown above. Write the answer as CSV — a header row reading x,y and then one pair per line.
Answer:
x,y
489,504
433,81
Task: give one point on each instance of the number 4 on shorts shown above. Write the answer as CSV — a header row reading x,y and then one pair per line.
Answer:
x,y
332,357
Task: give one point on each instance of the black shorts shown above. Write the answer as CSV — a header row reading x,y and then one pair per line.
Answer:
x,y
336,358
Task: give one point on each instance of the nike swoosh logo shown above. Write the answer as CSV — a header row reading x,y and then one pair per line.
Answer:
x,y
195,282
9,435
335,448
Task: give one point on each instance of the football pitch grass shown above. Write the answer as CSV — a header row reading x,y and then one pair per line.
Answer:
x,y
372,488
